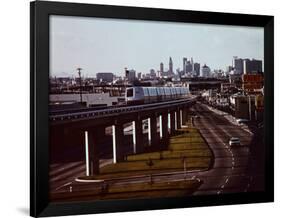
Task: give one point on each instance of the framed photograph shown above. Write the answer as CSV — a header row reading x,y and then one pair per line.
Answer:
x,y
142,109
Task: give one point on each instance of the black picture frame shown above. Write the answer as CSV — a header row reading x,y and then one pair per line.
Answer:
x,y
39,95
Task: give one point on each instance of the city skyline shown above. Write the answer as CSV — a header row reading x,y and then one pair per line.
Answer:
x,y
110,45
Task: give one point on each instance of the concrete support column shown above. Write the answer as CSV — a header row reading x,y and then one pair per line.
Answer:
x,y
160,127
139,136
92,138
181,121
169,123
134,137
176,126
165,131
117,141
178,120
184,116
153,128
172,123
149,131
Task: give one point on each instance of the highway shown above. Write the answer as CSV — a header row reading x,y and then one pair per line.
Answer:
x,y
230,172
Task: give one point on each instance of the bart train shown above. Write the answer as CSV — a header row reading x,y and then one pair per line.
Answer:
x,y
145,95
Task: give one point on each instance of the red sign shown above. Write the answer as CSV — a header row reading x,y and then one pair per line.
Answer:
x,y
252,78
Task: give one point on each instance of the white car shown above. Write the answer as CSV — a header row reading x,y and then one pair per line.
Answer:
x,y
234,142
240,121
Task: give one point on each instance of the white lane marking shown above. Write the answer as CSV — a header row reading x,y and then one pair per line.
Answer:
x,y
222,186
66,184
226,181
218,192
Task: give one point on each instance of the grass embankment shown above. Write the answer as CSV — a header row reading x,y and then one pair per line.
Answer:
x,y
129,191
186,151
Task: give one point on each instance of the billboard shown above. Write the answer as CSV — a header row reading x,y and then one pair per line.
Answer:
x,y
252,78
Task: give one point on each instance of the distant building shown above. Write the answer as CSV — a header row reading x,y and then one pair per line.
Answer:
x,y
188,67
139,75
243,106
246,66
237,65
105,77
218,73
184,60
161,68
206,71
236,79
228,69
171,72
256,66
196,69
152,74
252,66
130,75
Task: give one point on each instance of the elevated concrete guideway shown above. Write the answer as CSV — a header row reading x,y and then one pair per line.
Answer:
x,y
87,128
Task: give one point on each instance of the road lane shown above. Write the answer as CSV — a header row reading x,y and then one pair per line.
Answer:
x,y
217,131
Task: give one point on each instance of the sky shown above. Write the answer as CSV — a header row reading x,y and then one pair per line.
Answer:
x,y
110,45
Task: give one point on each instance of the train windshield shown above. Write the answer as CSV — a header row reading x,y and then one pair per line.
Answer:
x,y
130,92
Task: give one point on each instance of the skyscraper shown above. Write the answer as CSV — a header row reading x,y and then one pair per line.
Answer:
x,y
192,65
161,67
256,66
184,60
246,66
252,66
237,65
196,69
171,66
130,74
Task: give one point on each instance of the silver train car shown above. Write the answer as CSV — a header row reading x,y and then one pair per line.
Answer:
x,y
144,95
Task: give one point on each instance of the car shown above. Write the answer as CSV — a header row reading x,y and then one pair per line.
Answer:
x,y
240,121
234,141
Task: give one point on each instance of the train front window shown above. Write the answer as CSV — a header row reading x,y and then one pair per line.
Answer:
x,y
130,92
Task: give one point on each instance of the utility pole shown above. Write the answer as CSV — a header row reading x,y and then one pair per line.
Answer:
x,y
80,80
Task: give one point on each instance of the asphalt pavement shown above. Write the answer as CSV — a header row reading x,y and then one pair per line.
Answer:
x,y
229,173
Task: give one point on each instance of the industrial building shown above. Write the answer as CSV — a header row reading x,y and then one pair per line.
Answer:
x,y
105,77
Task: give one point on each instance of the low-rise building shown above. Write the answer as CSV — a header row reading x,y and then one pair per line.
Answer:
x,y
105,77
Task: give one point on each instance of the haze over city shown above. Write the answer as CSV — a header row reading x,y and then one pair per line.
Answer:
x,y
110,45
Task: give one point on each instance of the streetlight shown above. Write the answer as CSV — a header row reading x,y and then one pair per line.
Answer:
x,y
79,73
